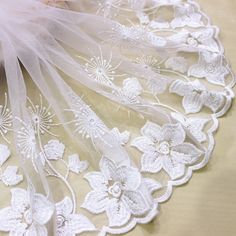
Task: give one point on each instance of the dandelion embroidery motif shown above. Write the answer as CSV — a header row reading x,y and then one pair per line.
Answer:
x,y
42,118
5,120
101,70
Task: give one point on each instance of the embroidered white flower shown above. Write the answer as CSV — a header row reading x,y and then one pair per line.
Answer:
x,y
5,119
203,40
4,153
69,223
135,35
195,96
130,92
76,165
210,66
27,214
115,190
179,64
186,15
194,125
165,148
42,118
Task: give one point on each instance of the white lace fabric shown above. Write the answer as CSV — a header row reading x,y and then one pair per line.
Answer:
x,y
156,65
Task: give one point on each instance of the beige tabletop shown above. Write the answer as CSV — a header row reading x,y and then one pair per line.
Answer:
x,y
206,206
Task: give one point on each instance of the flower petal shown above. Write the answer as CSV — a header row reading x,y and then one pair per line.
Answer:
x,y
129,177
108,167
174,170
96,180
36,230
64,207
136,202
143,144
42,209
96,201
213,100
152,185
197,71
186,153
151,163
152,131
192,102
19,200
9,219
180,87
77,224
117,213
174,134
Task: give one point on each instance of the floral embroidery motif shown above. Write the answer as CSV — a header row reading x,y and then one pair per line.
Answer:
x,y
130,92
76,165
9,176
42,118
26,140
179,64
158,84
53,150
186,15
115,190
21,219
5,120
196,96
194,125
122,138
165,148
135,35
87,123
203,40
69,223
101,70
210,66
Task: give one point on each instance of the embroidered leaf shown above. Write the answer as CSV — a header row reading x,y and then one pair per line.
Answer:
x,y
10,176
4,154
76,165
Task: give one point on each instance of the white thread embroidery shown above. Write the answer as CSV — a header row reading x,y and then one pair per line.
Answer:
x,y
165,148
179,64
186,15
76,165
42,118
21,219
122,138
130,92
5,119
196,96
210,66
69,223
194,125
115,190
